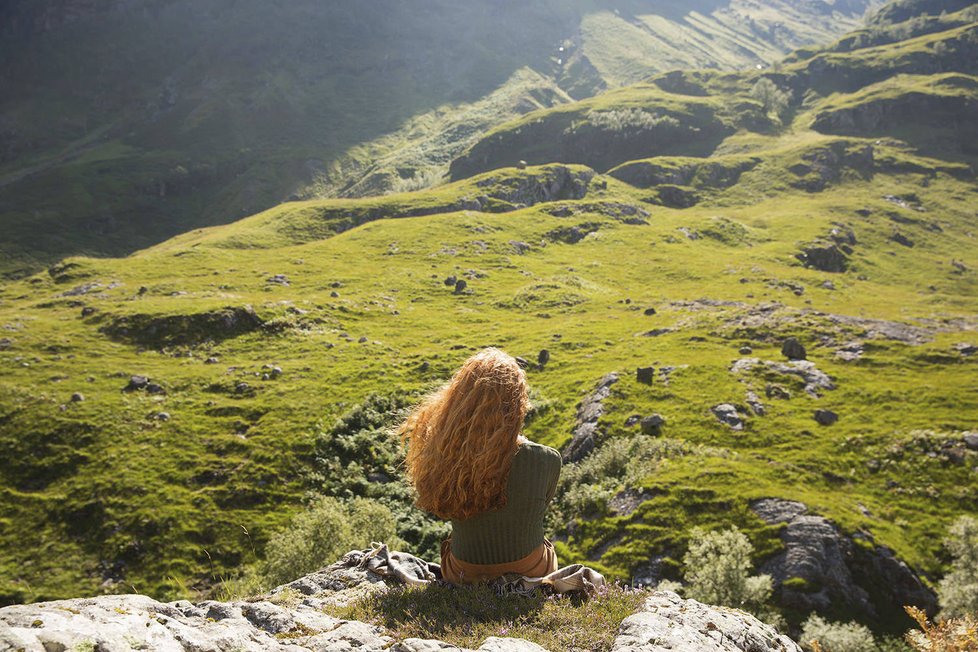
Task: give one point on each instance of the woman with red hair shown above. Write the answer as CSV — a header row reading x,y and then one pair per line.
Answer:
x,y
470,464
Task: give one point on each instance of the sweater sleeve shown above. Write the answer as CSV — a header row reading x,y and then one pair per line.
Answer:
x,y
553,469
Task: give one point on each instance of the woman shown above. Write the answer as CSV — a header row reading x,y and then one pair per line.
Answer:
x,y
469,464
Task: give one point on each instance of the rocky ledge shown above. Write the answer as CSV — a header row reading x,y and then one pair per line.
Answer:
x,y
292,618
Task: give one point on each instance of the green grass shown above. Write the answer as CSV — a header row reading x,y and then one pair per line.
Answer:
x,y
105,495
466,616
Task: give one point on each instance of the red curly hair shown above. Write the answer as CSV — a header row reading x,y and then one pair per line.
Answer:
x,y
461,439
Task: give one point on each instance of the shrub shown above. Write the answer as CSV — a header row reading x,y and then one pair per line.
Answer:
x,y
718,566
820,634
948,635
958,591
321,534
773,99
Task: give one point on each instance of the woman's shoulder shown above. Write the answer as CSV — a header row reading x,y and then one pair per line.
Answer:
x,y
538,454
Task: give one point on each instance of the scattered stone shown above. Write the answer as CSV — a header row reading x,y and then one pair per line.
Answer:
x,y
154,388
645,375
793,349
728,415
850,351
521,165
589,411
543,357
754,402
211,360
522,362
142,290
79,290
363,339
772,390
87,311
959,267
162,416
656,332
632,420
901,239
971,440
520,247
625,502
649,312
745,350
827,285
334,294
424,366
5,343
814,378
826,417
136,383
278,279
242,388
460,286
652,424
450,281
77,397
276,372
966,349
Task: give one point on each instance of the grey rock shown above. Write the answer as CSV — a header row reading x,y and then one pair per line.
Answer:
x,y
826,417
334,294
850,351
497,644
162,416
460,286
450,281
633,419
966,349
815,379
136,383
668,623
5,343
648,312
77,397
645,375
87,311
652,424
589,411
423,645
754,402
520,247
745,350
793,349
728,415
837,574
278,279
155,388
363,339
522,362
627,501
543,357
211,360
971,440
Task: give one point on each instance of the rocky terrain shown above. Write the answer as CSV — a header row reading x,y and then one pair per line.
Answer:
x,y
294,617
743,299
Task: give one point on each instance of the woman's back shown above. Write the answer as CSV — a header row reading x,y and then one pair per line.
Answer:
x,y
515,530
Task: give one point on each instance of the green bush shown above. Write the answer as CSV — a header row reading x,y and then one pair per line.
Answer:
x,y
321,534
836,637
718,567
958,591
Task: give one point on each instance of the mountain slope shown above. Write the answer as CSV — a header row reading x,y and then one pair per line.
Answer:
x,y
269,354
124,123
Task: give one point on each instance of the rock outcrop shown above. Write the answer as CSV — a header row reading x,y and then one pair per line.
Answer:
x,y
292,619
822,568
588,412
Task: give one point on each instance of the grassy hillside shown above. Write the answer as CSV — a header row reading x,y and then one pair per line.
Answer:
x,y
123,124
255,338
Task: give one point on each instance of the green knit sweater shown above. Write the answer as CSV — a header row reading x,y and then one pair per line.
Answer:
x,y
514,531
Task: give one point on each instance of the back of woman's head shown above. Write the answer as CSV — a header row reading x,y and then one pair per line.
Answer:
x,y
461,439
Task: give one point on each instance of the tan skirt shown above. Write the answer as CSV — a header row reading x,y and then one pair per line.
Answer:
x,y
542,561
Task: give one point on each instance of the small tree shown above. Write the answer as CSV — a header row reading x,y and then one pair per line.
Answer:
x,y
773,99
958,591
718,567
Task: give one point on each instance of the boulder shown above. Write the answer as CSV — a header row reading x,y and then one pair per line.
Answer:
x,y
136,383
460,286
728,415
668,623
652,424
793,349
826,417
645,375
543,357
971,440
